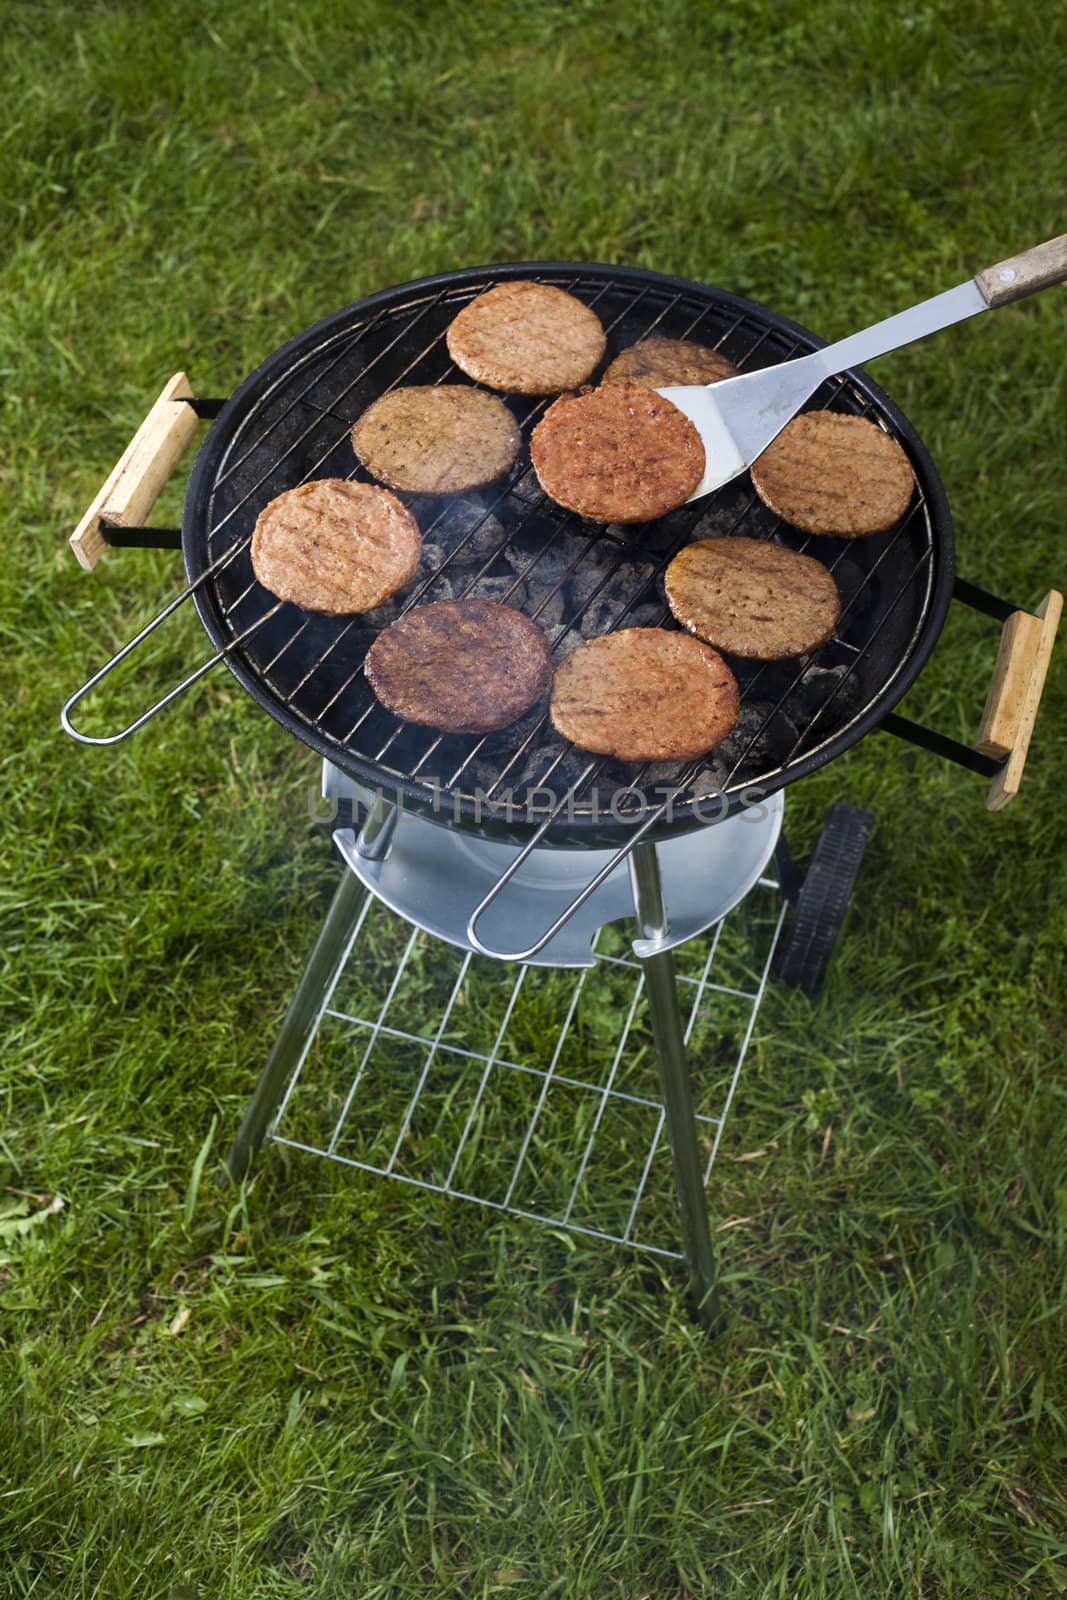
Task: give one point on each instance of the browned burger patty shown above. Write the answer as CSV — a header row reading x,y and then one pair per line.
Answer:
x,y
833,474
657,362
335,546
466,666
644,694
526,337
751,598
437,440
619,454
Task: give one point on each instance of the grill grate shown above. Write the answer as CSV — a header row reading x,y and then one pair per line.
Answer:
x,y
509,543
548,1110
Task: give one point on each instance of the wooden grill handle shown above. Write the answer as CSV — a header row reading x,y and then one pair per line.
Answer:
x,y
1015,693
131,490
1025,273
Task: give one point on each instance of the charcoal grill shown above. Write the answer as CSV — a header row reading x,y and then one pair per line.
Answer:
x,y
557,843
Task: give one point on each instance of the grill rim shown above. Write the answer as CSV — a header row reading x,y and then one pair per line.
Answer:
x,y
580,829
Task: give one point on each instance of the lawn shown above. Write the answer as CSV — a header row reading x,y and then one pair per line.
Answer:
x,y
327,1384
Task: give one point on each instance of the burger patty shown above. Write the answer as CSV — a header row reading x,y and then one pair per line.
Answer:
x,y
335,546
658,362
753,598
465,666
437,440
644,694
528,338
828,473
617,454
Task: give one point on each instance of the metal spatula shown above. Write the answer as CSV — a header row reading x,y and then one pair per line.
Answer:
x,y
738,418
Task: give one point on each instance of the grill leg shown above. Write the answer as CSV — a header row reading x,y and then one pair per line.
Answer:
x,y
327,959
675,1085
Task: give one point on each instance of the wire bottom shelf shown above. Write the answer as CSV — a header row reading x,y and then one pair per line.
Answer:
x,y
530,1090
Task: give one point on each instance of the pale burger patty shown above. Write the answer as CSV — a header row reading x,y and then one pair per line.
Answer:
x,y
658,362
753,598
833,474
437,439
335,546
528,338
644,694
617,454
464,666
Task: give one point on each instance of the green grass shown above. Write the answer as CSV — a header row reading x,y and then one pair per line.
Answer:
x,y
332,1385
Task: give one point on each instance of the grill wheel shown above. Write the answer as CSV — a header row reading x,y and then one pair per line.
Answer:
x,y
822,901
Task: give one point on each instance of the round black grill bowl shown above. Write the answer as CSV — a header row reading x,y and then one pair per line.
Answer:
x,y
289,422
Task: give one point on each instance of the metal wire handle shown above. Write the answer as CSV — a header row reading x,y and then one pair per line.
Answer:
x,y
127,649
642,947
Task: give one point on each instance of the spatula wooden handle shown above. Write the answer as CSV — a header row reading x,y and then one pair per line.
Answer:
x,y
132,488
1023,274
1015,694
